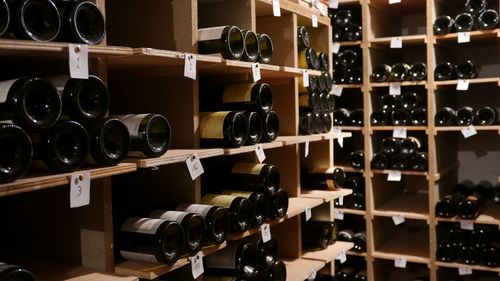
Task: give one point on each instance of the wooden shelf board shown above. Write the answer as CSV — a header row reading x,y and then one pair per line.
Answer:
x,y
298,72
175,156
407,40
490,215
473,267
326,195
398,245
474,35
491,80
151,271
404,83
350,128
350,43
409,258
332,136
290,140
348,169
299,269
350,86
391,128
411,206
33,182
352,253
404,173
250,148
353,211
329,254
459,128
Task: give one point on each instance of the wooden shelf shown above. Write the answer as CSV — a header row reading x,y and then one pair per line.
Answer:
x,y
473,267
33,182
404,83
349,43
290,140
298,72
350,128
299,269
329,254
326,195
352,253
175,156
150,271
397,246
349,169
459,128
353,212
404,173
350,86
405,204
332,136
474,36
391,128
407,40
490,215
447,83
250,148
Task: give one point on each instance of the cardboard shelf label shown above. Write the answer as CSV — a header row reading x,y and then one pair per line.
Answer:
x,y
305,78
469,131
337,90
308,214
78,61
338,133
394,1
314,19
398,219
463,37
394,176
342,257
79,194
463,85
256,72
400,132
190,66
400,262
197,265
341,201
194,166
259,151
333,4
467,225
306,149
335,47
311,275
276,8
395,89
338,214
265,231
396,43
464,270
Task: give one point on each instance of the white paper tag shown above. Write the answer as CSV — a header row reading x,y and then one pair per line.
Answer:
x,y
335,47
334,4
341,201
464,270
276,8
463,37
399,132
336,90
265,231
314,20
190,66
305,78
469,131
338,214
194,166
79,194
342,257
400,262
463,85
398,219
338,133
308,214
394,176
394,1
396,43
467,225
197,265
79,61
256,72
395,89
311,275
259,150
306,149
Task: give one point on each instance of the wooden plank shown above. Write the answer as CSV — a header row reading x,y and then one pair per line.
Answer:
x,y
290,140
175,156
473,267
299,269
411,206
329,254
326,195
490,80
404,83
52,271
474,35
407,40
250,148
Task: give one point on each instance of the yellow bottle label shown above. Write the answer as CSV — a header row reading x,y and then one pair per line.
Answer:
x,y
238,193
218,200
212,124
247,168
238,93
302,59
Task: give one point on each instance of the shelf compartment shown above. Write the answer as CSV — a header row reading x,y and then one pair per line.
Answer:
x,y
474,36
326,195
384,270
175,156
299,269
151,271
265,8
33,182
473,267
490,215
329,254
407,40
399,19
411,206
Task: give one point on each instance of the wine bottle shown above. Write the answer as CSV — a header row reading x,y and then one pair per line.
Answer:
x,y
151,240
360,276
465,116
341,117
419,162
389,103
357,159
444,71
319,234
310,101
486,116
470,255
9,272
359,240
400,117
31,103
216,220
400,72
267,253
308,59
35,20
399,162
245,96
16,152
328,80
261,178
259,201
354,75
418,116
488,20
150,134
418,71
379,118
390,145
457,237
276,272
226,40
357,201
326,122
345,273
342,18
278,204
109,141
255,127
340,75
475,7
337,34
303,38
356,118
236,259
352,32
443,25
313,84
271,126
466,70
192,224
84,100
328,101
356,183
410,100
223,128
323,178
446,252
265,48
241,210
250,46
471,206
345,235
348,58
380,161
5,17
381,73
81,22
307,122
64,148
464,22
445,117
322,83
446,206
491,255
324,62
480,237
410,145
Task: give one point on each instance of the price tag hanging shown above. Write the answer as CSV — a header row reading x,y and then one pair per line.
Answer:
x,y
335,47
79,61
338,214
467,225
337,90
197,265
464,270
308,214
259,151
256,72
194,166
333,4
394,1
463,37
305,78
190,66
265,231
338,133
276,8
399,132
469,131
400,262
395,89
342,257
394,176
79,194
399,219
463,85
314,19
396,43
311,275
306,149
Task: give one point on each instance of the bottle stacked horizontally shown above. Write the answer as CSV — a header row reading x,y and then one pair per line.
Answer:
x,y
467,201
78,21
234,43
401,154
407,109
358,238
357,199
466,116
248,117
399,72
347,67
479,246
350,273
322,178
346,117
345,25
319,234
450,71
9,272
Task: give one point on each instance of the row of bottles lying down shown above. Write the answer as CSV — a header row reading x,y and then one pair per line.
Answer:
x,y
321,234
308,57
466,116
345,25
407,109
401,154
347,67
61,122
78,21
250,195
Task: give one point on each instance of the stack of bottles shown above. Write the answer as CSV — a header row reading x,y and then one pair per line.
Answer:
x,y
350,273
319,234
14,272
234,43
476,16
401,154
247,117
77,21
466,116
250,259
450,71
347,67
357,159
404,110
480,246
60,122
316,104
322,178
346,117
357,199
358,238
344,29
399,72
308,57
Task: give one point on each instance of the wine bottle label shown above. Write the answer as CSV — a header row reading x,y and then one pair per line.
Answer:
x,y
6,122
304,100
212,124
237,193
138,256
169,215
330,184
302,59
141,225
247,168
196,208
211,33
133,122
237,93
58,81
4,89
218,200
225,258
321,170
